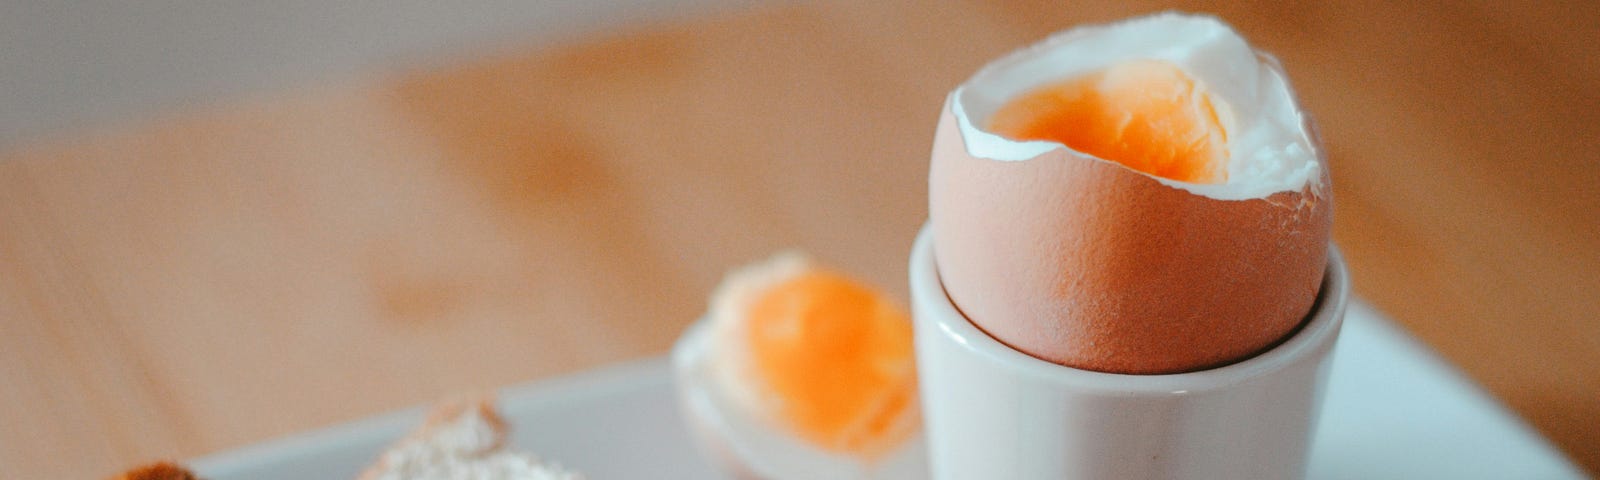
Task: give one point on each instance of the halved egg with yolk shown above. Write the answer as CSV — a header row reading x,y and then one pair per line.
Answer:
x,y
837,357
802,372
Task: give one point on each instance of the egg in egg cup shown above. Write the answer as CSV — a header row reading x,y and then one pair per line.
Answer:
x,y
1127,270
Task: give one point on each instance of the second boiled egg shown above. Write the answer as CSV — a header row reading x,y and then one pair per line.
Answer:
x,y
803,372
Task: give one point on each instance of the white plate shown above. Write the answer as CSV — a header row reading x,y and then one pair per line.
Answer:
x,y
1394,410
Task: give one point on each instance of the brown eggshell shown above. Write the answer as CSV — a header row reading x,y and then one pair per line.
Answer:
x,y
1092,265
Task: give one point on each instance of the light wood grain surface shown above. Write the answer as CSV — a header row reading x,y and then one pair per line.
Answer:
x,y
201,281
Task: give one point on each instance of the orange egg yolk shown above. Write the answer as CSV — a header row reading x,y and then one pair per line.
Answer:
x,y
838,357
1146,114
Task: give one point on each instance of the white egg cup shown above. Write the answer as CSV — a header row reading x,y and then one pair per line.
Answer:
x,y
991,411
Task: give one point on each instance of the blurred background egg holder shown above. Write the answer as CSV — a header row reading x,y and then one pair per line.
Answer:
x,y
437,183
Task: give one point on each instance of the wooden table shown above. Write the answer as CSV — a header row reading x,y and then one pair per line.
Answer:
x,y
188,284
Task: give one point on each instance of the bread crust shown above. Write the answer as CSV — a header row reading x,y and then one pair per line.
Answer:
x,y
441,416
158,471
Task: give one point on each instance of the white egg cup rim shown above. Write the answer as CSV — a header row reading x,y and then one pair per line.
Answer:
x,y
1314,335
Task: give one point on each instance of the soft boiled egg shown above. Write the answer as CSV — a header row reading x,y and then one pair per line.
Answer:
x,y
802,372
1143,197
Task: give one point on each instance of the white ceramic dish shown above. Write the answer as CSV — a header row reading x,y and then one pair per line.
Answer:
x,y
1393,411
